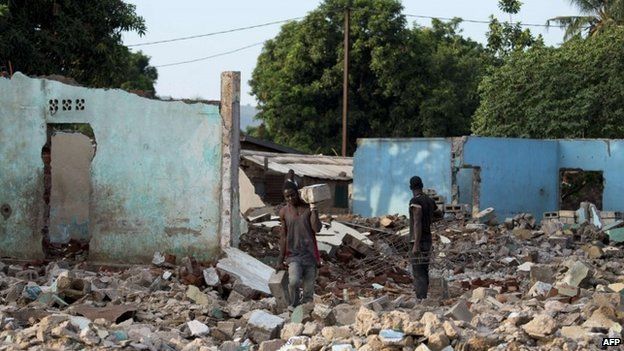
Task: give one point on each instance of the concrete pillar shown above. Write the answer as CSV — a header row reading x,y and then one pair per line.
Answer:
x,y
230,156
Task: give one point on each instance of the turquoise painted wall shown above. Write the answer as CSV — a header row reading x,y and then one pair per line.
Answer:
x,y
382,169
156,174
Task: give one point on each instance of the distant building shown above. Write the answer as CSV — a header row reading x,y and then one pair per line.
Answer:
x,y
267,172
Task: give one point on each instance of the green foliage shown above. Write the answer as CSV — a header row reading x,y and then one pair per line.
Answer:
x,y
574,91
77,39
504,38
403,82
595,15
510,6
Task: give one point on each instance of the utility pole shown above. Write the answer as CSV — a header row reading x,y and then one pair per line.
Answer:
x,y
345,83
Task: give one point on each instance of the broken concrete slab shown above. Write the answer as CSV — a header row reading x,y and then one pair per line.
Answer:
x,y
577,273
315,193
278,283
335,232
460,312
616,235
250,271
541,290
487,216
263,326
541,326
602,318
211,277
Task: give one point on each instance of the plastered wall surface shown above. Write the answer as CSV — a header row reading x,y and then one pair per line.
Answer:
x,y
155,177
517,175
383,167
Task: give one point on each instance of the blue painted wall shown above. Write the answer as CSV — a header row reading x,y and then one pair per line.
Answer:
x,y
598,155
156,174
383,167
517,175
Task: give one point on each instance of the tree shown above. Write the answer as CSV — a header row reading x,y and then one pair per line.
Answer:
x,y
402,82
574,91
78,39
595,15
504,38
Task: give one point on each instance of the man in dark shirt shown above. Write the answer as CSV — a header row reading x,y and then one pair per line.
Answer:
x,y
421,210
300,223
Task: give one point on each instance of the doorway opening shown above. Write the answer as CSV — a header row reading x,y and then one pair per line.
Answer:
x,y
67,156
577,185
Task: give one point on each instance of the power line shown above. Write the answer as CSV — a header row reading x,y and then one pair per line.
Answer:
x,y
296,18
485,22
211,56
214,33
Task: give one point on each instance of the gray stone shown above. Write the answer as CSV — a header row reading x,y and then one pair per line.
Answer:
x,y
211,277
324,314
460,312
278,284
197,328
263,326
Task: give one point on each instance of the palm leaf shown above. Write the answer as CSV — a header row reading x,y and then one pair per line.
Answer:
x,y
573,24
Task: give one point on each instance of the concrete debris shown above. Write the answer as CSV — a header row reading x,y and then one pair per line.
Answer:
x,y
524,287
211,277
197,328
250,271
315,193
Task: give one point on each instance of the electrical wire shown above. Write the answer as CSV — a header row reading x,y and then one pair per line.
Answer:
x,y
296,18
211,56
213,33
485,22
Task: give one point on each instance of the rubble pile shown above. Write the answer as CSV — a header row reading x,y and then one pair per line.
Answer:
x,y
513,286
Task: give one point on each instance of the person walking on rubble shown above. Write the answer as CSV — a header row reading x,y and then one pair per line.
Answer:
x,y
421,213
298,249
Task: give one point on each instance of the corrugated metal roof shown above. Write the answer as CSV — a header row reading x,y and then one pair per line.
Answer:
x,y
315,166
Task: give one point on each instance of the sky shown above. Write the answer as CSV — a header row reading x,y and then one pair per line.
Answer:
x,y
166,19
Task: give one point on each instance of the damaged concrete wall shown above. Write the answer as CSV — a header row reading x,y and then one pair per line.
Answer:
x,y
598,155
382,169
517,175
513,175
155,178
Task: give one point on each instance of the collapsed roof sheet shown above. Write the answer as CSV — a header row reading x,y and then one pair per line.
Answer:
x,y
314,166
